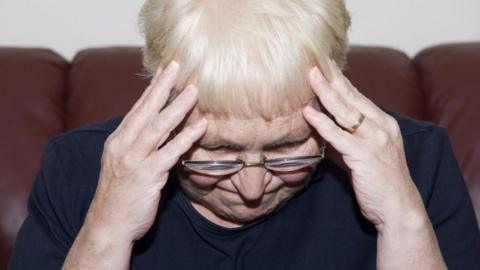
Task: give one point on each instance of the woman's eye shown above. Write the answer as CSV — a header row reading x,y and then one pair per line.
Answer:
x,y
286,147
291,145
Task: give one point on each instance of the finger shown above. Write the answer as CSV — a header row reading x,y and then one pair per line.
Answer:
x,y
147,91
149,106
328,130
165,158
333,69
161,90
126,121
344,113
350,93
140,101
159,128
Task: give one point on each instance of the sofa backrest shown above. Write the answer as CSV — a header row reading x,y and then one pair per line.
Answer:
x,y
42,95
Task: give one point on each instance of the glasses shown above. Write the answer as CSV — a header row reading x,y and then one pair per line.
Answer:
x,y
226,167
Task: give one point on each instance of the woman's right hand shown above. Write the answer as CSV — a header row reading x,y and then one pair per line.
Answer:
x,y
134,168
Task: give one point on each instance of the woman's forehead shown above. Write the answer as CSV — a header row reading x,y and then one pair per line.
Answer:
x,y
255,132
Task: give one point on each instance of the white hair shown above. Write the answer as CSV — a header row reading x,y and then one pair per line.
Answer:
x,y
248,58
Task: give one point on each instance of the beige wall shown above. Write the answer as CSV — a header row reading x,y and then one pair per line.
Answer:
x,y
68,25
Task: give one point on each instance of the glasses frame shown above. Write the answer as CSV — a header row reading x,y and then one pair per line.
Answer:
x,y
238,164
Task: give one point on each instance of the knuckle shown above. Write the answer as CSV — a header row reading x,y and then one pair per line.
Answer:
x,y
334,129
112,145
178,108
348,116
188,134
356,91
140,114
388,123
347,109
182,140
352,96
109,140
337,130
128,161
335,95
142,173
352,112
170,115
382,137
156,125
187,137
396,132
339,83
126,124
393,124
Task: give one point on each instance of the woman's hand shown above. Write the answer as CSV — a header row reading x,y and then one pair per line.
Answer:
x,y
373,152
135,163
372,149
134,169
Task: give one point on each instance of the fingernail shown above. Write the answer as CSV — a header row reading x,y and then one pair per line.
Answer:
x,y
156,76
309,110
334,63
171,67
159,70
200,123
316,75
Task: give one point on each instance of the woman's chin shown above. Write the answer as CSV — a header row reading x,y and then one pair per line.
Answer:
x,y
227,207
241,211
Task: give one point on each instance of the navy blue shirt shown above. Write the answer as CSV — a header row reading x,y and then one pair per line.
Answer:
x,y
319,228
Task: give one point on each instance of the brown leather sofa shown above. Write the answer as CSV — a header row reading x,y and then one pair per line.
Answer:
x,y
41,95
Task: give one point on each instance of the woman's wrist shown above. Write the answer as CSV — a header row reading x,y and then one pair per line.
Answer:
x,y
409,243
413,221
404,213
96,248
97,231
104,237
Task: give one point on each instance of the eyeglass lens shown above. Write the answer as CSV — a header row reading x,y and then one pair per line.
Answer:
x,y
217,168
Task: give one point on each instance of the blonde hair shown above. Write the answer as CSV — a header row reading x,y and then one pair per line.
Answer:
x,y
248,58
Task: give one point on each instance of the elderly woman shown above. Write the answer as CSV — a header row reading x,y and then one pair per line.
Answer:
x,y
249,150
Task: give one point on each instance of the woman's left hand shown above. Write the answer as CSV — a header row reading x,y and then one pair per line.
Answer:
x,y
373,150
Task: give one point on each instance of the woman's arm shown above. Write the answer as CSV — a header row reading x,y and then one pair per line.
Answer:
x,y
408,241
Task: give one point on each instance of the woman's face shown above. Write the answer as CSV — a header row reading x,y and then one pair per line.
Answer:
x,y
237,198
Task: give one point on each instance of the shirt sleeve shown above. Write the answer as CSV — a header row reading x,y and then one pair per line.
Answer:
x,y
448,202
53,220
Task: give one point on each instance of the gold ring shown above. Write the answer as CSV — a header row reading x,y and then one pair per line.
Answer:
x,y
357,125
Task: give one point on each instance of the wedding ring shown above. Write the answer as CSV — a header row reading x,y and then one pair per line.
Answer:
x,y
354,128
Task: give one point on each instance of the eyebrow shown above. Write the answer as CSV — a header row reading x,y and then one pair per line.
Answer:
x,y
294,137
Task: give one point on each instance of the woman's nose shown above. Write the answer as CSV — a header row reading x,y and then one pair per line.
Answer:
x,y
252,181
